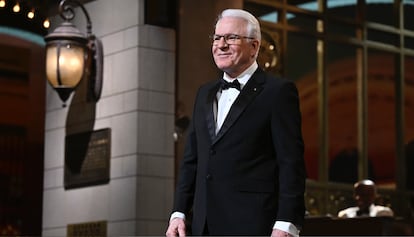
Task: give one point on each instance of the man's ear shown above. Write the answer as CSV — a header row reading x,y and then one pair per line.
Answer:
x,y
255,46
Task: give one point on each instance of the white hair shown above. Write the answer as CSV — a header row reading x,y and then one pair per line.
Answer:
x,y
253,26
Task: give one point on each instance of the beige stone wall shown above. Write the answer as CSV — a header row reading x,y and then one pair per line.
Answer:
x,y
138,105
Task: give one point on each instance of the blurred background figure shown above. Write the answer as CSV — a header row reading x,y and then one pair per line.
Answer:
x,y
365,193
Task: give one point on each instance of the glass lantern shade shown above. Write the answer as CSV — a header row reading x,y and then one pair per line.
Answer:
x,y
66,53
64,65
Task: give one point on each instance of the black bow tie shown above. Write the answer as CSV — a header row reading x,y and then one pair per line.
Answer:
x,y
226,85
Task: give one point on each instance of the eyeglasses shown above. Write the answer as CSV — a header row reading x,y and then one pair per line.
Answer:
x,y
228,38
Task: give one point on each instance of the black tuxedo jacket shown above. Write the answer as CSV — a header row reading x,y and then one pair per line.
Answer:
x,y
252,172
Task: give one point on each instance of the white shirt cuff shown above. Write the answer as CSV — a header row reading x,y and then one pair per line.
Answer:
x,y
287,227
177,214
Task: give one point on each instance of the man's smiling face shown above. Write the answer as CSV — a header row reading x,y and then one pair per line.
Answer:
x,y
233,58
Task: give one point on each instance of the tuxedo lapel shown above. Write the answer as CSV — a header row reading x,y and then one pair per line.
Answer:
x,y
253,87
211,110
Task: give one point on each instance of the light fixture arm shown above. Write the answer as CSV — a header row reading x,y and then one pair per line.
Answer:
x,y
67,12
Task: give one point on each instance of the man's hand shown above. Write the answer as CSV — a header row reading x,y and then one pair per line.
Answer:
x,y
176,228
280,233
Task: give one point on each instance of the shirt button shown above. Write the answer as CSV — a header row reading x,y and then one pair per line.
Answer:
x,y
212,152
208,176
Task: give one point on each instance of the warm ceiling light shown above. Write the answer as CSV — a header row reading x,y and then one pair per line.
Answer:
x,y
31,14
46,23
70,55
2,3
16,7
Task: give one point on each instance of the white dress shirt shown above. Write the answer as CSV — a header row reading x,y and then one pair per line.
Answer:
x,y
374,210
227,97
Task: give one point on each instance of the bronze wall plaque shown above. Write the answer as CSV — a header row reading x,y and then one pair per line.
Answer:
x,y
96,228
87,158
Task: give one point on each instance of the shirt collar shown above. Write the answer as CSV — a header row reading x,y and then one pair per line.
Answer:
x,y
244,77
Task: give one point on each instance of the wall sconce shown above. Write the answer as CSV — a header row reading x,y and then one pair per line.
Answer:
x,y
70,55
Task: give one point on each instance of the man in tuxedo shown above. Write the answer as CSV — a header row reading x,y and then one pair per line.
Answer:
x,y
243,170
365,193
